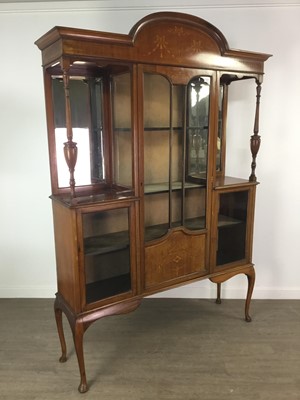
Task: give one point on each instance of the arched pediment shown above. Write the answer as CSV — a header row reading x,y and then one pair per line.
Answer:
x,y
169,36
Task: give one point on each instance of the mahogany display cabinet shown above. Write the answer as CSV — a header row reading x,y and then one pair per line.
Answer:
x,y
137,145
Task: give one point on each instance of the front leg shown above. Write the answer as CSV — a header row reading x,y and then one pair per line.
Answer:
x,y
78,331
251,280
60,329
78,327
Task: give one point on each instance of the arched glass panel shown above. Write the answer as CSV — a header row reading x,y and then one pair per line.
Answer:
x,y
176,120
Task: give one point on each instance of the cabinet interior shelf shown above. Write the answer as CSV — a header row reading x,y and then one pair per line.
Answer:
x,y
82,199
162,128
105,288
224,220
164,187
151,129
102,244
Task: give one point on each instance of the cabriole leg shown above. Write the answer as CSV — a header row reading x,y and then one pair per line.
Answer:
x,y
251,280
60,329
79,324
218,300
78,332
78,328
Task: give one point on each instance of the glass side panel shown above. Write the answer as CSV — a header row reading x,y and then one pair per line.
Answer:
x,y
198,126
122,135
106,253
232,227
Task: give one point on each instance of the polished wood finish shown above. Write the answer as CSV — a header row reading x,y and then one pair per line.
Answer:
x,y
155,212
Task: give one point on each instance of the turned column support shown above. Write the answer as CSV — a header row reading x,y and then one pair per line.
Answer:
x,y
255,138
70,147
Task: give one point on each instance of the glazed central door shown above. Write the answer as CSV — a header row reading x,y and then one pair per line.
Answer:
x,y
176,140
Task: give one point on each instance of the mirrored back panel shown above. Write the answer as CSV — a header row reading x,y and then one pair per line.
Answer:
x,y
99,126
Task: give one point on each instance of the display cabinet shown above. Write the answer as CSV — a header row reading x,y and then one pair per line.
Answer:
x,y
137,144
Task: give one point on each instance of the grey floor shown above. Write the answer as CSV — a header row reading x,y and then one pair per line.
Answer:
x,y
167,349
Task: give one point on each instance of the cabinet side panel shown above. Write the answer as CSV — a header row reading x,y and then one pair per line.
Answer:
x,y
176,257
66,254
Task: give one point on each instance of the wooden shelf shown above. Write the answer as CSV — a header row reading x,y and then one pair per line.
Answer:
x,y
153,188
162,128
223,182
104,244
224,220
83,199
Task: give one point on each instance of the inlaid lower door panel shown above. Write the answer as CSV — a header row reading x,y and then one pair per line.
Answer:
x,y
178,255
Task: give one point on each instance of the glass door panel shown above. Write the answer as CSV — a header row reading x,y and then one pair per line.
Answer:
x,y
198,99
156,102
178,94
194,208
176,208
197,129
106,253
156,215
157,115
232,227
175,153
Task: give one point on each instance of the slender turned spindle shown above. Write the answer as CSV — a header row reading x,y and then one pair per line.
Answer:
x,y
255,138
70,147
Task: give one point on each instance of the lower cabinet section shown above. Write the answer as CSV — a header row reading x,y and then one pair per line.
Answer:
x,y
179,254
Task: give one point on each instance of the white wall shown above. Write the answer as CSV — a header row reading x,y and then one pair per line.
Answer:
x,y
27,259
